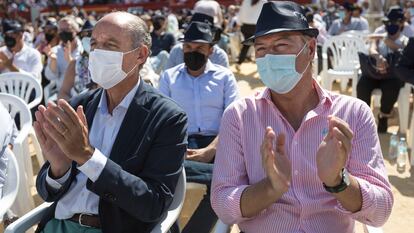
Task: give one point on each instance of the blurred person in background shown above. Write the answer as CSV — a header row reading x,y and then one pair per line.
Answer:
x,y
48,36
395,14
233,30
330,14
218,56
77,77
61,55
393,41
248,15
357,13
16,56
162,42
347,22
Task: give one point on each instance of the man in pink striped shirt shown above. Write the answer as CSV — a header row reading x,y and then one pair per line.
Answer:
x,y
297,158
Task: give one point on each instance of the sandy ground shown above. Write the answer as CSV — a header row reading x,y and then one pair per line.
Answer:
x,y
402,217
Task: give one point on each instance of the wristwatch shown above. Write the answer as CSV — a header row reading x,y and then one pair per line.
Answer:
x,y
342,186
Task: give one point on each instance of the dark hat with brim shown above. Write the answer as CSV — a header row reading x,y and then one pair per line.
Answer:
x,y
11,26
281,16
87,26
395,13
198,32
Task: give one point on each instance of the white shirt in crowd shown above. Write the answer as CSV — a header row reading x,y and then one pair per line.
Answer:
x,y
249,14
384,50
102,136
212,8
28,60
7,133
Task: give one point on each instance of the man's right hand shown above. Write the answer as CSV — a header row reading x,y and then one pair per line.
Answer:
x,y
275,162
59,163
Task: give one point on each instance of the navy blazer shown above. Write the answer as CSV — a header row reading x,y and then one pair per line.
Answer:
x,y
137,184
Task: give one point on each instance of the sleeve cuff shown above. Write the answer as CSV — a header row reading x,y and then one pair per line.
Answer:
x,y
368,198
94,166
58,183
233,203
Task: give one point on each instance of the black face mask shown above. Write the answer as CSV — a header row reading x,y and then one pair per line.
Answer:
x,y
194,60
392,29
66,36
9,41
49,37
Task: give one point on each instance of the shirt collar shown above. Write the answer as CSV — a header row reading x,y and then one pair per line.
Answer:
x,y
126,101
324,96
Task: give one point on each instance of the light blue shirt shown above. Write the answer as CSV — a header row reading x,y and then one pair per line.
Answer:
x,y
102,135
219,56
62,64
6,132
203,98
356,24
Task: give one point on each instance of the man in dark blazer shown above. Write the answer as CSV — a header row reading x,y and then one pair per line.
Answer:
x,y
405,66
114,154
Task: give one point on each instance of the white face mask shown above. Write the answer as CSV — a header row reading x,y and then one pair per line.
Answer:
x,y
105,67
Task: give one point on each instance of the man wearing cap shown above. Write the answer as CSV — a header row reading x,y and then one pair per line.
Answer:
x,y
395,15
203,90
60,56
16,56
346,22
296,157
218,55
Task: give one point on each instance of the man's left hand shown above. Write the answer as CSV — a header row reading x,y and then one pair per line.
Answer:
x,y
333,151
69,129
6,62
204,155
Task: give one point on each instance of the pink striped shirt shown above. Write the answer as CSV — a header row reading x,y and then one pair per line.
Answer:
x,y
306,207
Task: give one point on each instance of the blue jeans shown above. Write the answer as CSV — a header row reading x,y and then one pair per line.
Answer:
x,y
204,218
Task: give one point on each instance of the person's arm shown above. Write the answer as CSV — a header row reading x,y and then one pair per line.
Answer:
x,y
233,198
68,81
220,57
405,67
366,167
52,69
164,84
35,67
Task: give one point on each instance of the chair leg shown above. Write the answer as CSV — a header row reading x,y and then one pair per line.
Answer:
x,y
24,201
28,163
403,108
36,145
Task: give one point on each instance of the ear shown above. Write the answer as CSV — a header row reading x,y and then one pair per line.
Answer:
x,y
143,54
312,47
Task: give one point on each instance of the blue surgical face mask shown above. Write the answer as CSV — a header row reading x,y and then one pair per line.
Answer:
x,y
278,72
341,14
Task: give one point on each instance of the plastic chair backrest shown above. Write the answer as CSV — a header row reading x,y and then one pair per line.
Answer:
x,y
15,106
11,184
174,210
22,85
344,51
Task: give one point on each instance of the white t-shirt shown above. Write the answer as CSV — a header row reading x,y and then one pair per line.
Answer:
x,y
384,50
28,60
249,14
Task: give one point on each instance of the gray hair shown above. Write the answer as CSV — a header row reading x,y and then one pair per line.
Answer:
x,y
71,21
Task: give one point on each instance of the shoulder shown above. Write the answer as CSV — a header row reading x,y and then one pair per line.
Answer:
x,y
221,70
177,48
33,51
173,71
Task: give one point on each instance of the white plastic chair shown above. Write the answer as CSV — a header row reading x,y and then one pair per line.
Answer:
x,y
50,92
344,60
403,105
11,185
22,85
223,228
169,218
15,105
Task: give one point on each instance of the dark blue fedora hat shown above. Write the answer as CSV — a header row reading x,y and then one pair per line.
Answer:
x,y
198,32
281,16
